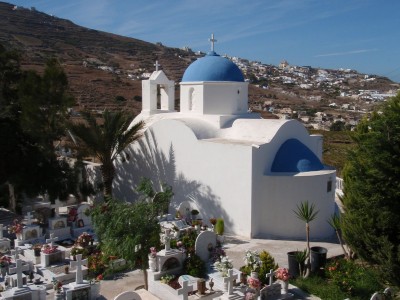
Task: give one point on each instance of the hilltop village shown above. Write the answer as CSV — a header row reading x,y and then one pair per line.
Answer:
x,y
317,97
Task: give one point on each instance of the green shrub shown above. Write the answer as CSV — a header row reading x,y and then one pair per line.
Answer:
x,y
220,226
267,263
194,266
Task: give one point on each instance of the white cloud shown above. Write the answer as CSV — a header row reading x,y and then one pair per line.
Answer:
x,y
346,52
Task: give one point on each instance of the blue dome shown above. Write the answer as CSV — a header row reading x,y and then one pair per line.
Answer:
x,y
212,67
294,156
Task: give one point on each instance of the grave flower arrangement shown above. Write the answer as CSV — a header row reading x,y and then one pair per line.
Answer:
x,y
252,260
153,252
5,261
224,265
48,249
16,227
84,240
253,282
72,214
217,253
57,285
282,274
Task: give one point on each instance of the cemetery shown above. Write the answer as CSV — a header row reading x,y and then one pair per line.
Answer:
x,y
65,250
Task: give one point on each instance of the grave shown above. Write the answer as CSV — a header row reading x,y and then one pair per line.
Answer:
x,y
4,242
80,289
31,233
58,226
53,258
82,222
206,241
20,291
273,291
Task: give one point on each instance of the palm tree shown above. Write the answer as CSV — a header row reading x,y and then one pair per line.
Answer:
x,y
106,141
307,213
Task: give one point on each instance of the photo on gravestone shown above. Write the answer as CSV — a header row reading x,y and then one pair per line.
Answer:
x,y
81,294
59,224
31,234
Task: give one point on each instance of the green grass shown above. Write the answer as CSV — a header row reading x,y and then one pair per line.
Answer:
x,y
343,279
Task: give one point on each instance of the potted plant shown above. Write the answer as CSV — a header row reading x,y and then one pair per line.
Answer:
x,y
219,227
152,259
307,213
252,261
283,275
37,248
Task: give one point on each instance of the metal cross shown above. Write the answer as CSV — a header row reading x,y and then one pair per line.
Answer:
x,y
212,40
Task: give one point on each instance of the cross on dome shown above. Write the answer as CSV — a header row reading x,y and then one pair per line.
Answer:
x,y
212,40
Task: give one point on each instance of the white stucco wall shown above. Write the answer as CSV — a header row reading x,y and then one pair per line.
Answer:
x,y
276,197
214,176
215,98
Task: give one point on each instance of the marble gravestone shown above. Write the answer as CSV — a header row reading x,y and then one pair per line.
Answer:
x,y
80,289
205,243
4,242
20,291
31,233
58,226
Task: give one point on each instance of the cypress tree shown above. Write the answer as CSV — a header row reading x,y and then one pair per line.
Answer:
x,y
371,198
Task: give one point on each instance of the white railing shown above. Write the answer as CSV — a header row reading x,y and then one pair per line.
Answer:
x,y
339,183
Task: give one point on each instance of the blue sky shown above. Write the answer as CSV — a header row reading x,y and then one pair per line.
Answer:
x,y
357,34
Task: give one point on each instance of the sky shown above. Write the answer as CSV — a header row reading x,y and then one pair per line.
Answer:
x,y
363,35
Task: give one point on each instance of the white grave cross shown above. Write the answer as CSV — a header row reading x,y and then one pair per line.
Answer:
x,y
157,65
78,264
212,40
271,276
56,207
16,252
167,239
29,216
52,239
184,290
229,279
2,228
19,269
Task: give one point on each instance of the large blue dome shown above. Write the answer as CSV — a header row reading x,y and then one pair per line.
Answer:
x,y
212,67
294,156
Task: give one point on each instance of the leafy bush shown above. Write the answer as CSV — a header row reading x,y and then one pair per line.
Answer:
x,y
267,263
120,98
194,266
188,241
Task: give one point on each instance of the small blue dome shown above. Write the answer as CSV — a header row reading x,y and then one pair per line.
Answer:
x,y
212,67
294,156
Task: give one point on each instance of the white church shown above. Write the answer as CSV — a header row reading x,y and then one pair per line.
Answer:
x,y
225,161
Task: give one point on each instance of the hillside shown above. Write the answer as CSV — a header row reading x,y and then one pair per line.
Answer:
x,y
39,36
105,70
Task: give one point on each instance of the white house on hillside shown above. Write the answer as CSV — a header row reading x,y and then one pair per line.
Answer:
x,y
225,161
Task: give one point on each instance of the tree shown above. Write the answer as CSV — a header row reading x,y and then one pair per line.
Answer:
x,y
106,141
128,230
307,213
28,164
372,190
44,104
335,223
